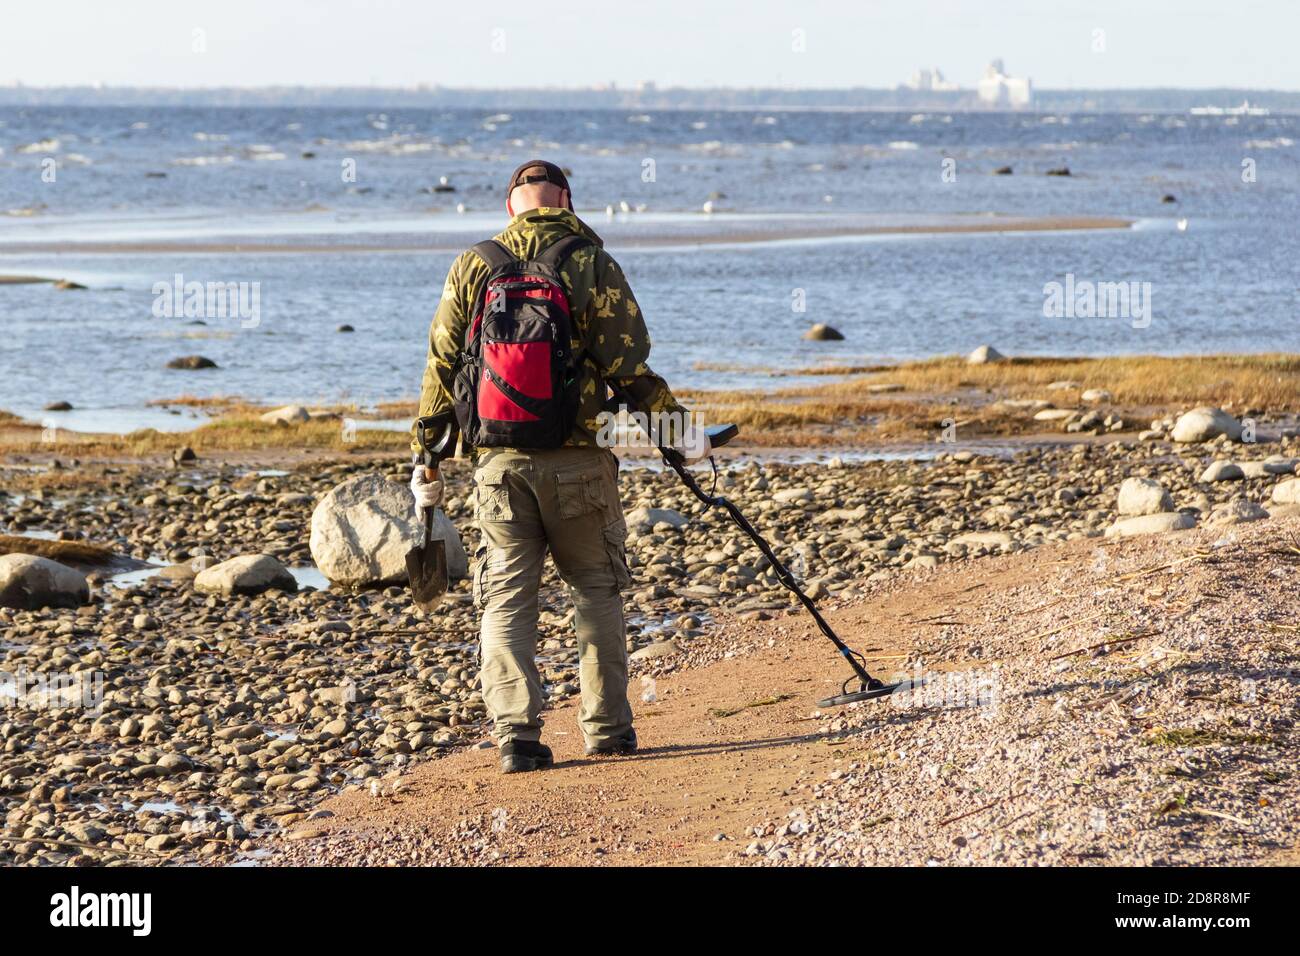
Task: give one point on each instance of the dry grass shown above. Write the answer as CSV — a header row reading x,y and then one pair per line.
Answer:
x,y
840,412
947,389
1270,381
231,433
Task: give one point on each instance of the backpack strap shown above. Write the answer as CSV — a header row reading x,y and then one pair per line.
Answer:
x,y
493,254
558,252
496,257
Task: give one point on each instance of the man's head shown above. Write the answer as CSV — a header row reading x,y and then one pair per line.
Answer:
x,y
537,183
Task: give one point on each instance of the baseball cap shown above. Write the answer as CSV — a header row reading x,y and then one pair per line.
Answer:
x,y
537,171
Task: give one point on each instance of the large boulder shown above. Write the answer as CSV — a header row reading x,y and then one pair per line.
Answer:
x,y
1204,424
1238,511
1287,492
28,582
1222,471
1270,466
1150,524
821,332
246,574
286,415
192,362
984,355
1143,496
362,529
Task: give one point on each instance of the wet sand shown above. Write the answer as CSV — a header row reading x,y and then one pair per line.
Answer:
x,y
439,234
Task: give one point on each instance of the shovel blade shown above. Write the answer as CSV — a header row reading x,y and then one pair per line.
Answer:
x,y
426,568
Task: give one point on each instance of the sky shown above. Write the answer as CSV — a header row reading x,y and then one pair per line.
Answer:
x,y
1060,44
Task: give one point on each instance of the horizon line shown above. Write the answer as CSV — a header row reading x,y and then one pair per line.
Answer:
x,y
609,88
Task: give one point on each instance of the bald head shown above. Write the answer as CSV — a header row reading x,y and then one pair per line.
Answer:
x,y
535,195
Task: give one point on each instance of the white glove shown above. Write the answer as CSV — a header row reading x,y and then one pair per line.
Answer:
x,y
428,494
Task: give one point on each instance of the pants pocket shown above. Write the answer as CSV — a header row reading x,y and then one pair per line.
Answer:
x,y
580,493
480,568
492,492
616,550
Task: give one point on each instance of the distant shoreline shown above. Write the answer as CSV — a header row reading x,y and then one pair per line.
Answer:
x,y
407,242
653,99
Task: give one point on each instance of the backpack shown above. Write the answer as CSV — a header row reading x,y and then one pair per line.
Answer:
x,y
516,384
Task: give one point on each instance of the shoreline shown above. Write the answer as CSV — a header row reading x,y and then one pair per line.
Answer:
x,y
906,410
681,230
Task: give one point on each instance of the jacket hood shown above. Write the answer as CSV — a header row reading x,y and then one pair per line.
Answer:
x,y
542,226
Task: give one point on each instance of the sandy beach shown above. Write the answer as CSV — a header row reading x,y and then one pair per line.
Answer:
x,y
293,721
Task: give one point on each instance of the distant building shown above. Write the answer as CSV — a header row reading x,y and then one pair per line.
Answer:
x,y
930,81
998,89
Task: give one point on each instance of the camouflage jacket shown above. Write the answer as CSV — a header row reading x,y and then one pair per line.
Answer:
x,y
613,336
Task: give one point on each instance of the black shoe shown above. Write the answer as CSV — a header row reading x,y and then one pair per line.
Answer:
x,y
520,756
619,745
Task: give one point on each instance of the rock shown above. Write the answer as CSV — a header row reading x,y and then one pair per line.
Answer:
x,y
1150,524
1143,496
984,539
174,763
1236,512
286,415
657,649
246,574
339,695
1059,171
1168,198
68,284
192,362
1221,471
1284,493
1002,171
335,728
646,518
86,832
1095,396
1274,465
1205,423
789,495
183,455
362,529
1062,385
924,560
186,570
1053,415
345,328
59,407
159,842
823,333
984,355
28,582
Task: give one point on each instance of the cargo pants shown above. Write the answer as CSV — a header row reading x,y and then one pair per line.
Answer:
x,y
564,501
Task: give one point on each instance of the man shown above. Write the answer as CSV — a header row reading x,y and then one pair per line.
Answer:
x,y
559,499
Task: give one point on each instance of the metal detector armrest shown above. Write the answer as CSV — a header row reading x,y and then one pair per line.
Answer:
x,y
719,435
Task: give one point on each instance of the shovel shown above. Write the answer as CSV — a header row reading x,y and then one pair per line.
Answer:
x,y
426,564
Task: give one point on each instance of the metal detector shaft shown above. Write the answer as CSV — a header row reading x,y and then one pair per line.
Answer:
x,y
674,460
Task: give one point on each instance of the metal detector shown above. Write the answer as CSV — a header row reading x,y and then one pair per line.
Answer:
x,y
870,687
